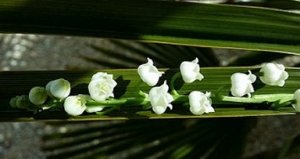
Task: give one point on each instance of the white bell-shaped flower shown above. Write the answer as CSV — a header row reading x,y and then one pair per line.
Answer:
x,y
101,86
190,71
75,105
38,95
59,88
200,103
149,73
273,74
241,84
296,105
160,99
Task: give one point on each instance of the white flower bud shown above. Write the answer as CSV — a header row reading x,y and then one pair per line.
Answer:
x,y
190,71
241,84
149,73
101,86
59,88
48,85
75,105
160,99
296,106
200,103
38,95
273,74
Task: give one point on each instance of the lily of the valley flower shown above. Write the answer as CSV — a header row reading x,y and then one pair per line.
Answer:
x,y
75,105
190,71
200,103
273,74
149,73
59,88
296,106
38,95
241,84
160,99
101,86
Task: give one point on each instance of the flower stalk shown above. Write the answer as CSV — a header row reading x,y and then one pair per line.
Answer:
x,y
281,98
101,99
172,84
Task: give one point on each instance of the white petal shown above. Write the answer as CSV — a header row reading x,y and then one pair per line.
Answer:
x,y
149,61
281,83
285,75
164,87
160,99
169,98
199,76
209,109
99,75
273,74
296,106
195,61
159,109
297,94
252,77
149,73
170,106
200,103
101,86
190,71
94,109
241,84
48,85
197,110
74,105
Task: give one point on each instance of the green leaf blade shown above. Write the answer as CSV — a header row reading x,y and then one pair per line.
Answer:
x,y
222,26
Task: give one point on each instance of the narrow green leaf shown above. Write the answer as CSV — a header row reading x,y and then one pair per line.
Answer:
x,y
217,81
194,24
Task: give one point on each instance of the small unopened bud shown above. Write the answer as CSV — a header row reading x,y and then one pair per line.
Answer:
x,y
22,102
38,95
59,88
13,102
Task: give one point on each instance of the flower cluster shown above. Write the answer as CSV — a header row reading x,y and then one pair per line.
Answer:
x,y
40,97
271,74
58,91
159,97
101,87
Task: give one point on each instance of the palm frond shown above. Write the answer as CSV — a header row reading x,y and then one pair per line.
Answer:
x,y
151,139
223,26
130,54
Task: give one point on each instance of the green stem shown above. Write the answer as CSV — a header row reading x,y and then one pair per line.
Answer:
x,y
280,98
178,99
277,105
173,79
108,110
143,94
78,82
119,102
